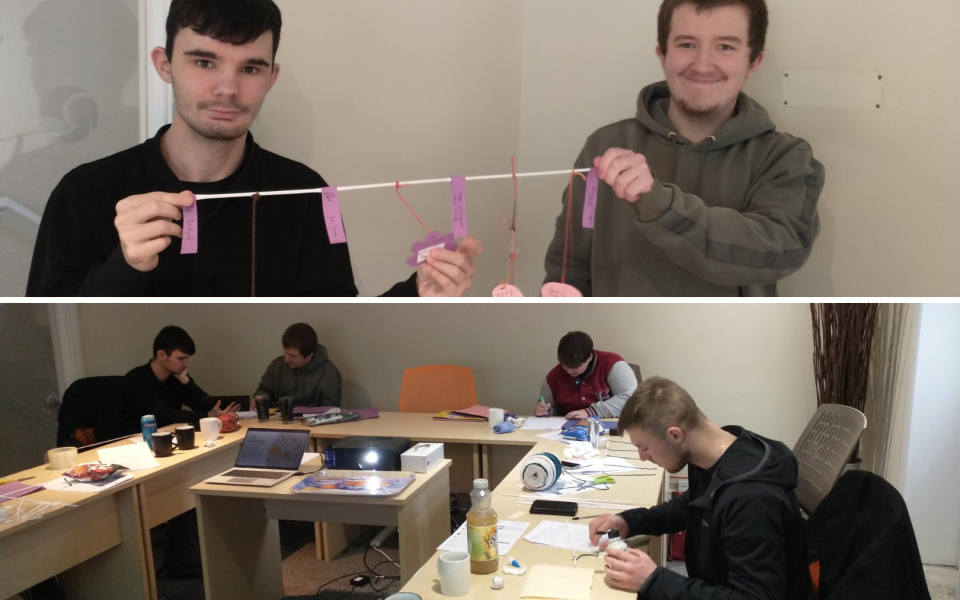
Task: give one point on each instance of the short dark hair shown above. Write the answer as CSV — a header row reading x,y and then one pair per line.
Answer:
x,y
756,11
233,21
301,337
575,349
173,338
657,405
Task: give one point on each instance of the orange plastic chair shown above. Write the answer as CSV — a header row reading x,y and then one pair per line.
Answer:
x,y
433,388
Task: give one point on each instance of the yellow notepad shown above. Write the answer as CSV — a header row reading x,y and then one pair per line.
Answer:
x,y
558,583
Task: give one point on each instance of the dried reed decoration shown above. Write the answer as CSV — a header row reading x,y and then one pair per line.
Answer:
x,y
842,340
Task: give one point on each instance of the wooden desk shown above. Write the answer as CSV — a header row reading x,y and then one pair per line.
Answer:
x,y
240,540
461,439
461,442
639,491
95,547
108,534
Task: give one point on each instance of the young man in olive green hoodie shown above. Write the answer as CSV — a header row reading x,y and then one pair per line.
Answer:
x,y
304,372
699,194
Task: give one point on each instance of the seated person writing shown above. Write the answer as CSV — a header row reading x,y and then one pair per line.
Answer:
x,y
745,534
587,382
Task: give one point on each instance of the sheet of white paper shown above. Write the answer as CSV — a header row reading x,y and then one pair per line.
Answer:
x,y
246,414
565,486
555,436
559,534
544,423
135,457
612,464
508,532
308,456
63,486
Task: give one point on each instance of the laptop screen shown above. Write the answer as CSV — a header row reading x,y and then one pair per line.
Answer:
x,y
273,448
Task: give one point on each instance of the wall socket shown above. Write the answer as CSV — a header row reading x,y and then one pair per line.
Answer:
x,y
683,485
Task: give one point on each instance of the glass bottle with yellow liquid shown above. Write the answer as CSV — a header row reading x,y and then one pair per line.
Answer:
x,y
482,530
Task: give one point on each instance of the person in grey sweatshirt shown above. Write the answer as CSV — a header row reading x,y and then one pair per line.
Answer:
x,y
304,372
699,195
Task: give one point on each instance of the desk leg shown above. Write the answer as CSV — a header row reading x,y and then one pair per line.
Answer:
x,y
658,544
480,457
121,571
240,549
423,524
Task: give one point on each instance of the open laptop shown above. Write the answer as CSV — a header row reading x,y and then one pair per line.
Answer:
x,y
267,457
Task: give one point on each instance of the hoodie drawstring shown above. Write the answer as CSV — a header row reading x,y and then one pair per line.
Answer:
x,y
703,156
673,170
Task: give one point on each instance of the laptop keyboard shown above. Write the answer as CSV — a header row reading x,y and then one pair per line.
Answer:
x,y
255,474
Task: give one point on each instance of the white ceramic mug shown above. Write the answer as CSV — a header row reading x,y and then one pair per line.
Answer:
x,y
496,416
210,429
454,569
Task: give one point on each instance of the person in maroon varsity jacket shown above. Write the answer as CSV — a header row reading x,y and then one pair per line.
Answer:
x,y
587,382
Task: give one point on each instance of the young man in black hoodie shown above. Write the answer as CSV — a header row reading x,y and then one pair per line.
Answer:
x,y
113,227
162,387
745,536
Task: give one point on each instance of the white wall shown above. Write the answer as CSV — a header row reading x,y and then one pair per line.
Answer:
x,y
66,100
373,91
889,212
27,376
744,364
932,489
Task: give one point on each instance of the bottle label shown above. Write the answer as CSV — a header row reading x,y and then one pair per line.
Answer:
x,y
482,542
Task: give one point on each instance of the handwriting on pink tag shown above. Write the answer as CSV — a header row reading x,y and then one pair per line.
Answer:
x,y
458,206
559,290
191,229
506,291
590,199
331,216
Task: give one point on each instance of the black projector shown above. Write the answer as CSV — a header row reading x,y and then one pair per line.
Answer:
x,y
366,453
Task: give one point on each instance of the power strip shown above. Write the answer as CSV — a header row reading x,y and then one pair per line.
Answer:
x,y
385,533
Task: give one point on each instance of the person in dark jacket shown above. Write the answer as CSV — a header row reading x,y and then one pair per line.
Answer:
x,y
745,537
162,387
114,227
862,535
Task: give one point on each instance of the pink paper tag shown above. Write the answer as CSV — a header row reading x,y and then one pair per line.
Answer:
x,y
421,249
559,290
332,217
191,229
458,206
506,291
590,199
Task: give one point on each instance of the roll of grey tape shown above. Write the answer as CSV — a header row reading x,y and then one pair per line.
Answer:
x,y
540,471
62,458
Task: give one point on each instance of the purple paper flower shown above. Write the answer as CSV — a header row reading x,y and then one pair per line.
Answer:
x,y
434,239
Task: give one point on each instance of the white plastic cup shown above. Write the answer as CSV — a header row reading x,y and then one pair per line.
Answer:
x,y
454,570
496,416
